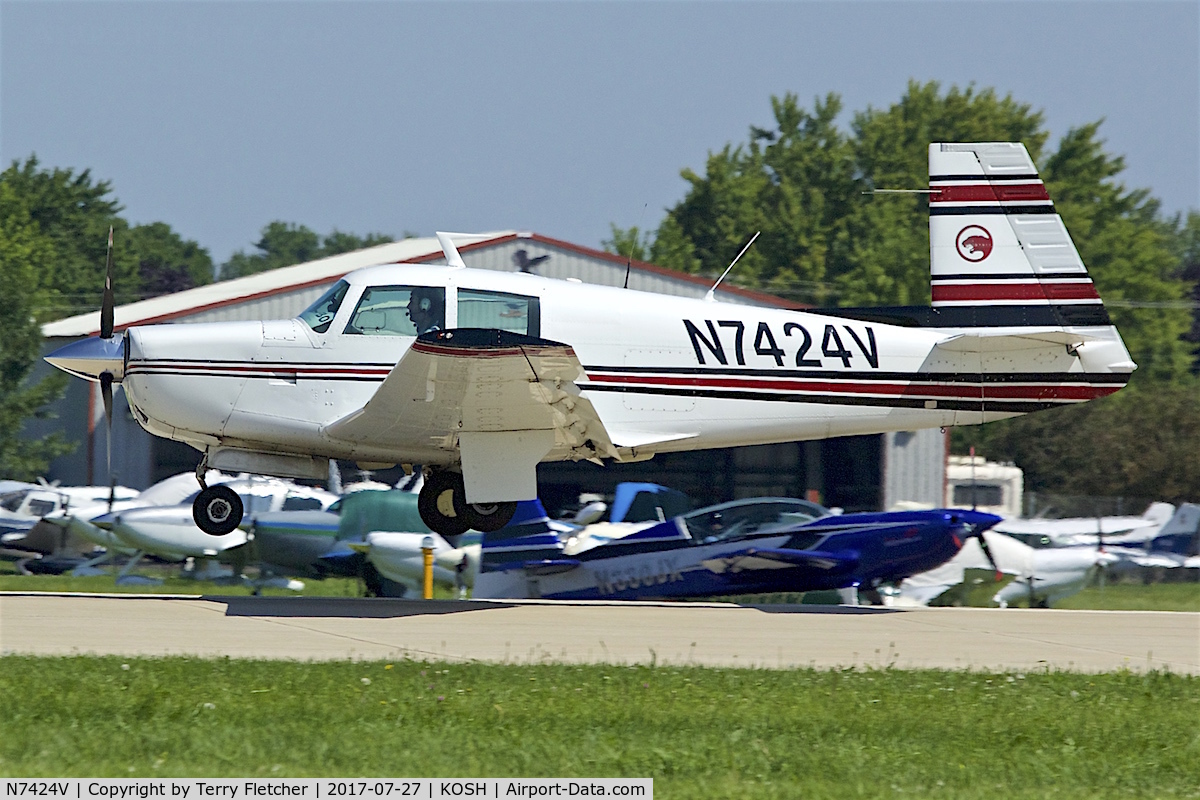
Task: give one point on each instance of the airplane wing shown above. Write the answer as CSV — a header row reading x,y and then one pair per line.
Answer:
x,y
499,402
773,558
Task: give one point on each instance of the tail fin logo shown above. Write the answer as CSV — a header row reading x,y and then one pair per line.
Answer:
x,y
974,243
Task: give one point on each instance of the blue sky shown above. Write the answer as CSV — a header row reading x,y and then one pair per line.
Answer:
x,y
560,118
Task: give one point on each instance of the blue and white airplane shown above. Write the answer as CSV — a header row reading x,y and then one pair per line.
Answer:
x,y
741,547
480,375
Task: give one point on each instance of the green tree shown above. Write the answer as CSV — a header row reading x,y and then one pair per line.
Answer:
x,y
882,257
283,244
795,183
1131,253
628,243
74,212
167,262
23,253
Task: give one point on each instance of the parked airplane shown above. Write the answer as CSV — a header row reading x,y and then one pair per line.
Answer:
x,y
170,531
378,536
1175,544
79,523
1099,530
481,375
314,543
1038,575
53,541
23,508
740,547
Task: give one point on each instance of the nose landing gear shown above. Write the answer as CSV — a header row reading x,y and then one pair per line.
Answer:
x,y
217,510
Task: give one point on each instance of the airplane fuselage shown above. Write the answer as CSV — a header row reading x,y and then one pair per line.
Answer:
x,y
686,373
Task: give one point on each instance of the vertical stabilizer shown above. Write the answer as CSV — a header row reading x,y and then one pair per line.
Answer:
x,y
996,241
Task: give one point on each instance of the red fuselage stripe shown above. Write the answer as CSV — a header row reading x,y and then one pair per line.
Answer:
x,y
984,192
1015,291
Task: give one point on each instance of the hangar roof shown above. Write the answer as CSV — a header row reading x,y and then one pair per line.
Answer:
x,y
284,292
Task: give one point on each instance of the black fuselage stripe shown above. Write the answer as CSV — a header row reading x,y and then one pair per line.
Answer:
x,y
1014,210
984,404
988,277
979,316
1025,178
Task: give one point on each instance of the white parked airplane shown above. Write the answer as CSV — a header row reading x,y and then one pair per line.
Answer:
x,y
1038,576
480,375
170,531
1099,530
24,509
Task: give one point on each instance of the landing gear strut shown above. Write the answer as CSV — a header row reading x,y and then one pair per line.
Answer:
x,y
444,507
217,510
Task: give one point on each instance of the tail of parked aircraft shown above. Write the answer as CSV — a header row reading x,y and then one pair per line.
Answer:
x,y
529,537
1000,256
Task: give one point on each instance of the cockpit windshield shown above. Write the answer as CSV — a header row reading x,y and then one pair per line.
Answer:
x,y
321,313
12,500
742,518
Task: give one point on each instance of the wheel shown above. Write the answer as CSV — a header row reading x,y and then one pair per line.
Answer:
x,y
486,517
217,510
440,497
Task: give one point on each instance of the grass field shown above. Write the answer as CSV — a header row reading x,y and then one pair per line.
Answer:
x,y
700,733
10,581
1137,597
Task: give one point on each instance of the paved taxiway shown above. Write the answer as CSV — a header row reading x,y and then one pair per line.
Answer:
x,y
319,628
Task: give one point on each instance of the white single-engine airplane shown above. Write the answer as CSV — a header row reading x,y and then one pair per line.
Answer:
x,y
480,375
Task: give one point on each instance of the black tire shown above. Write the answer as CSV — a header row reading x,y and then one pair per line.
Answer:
x,y
486,517
217,510
440,498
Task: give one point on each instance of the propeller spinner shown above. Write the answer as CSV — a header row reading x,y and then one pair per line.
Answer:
x,y
99,358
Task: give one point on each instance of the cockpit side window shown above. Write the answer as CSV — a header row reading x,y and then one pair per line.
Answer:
x,y
499,310
399,311
739,519
40,508
320,314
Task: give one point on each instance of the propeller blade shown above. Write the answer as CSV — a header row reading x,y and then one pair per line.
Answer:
x,y
107,303
987,551
106,392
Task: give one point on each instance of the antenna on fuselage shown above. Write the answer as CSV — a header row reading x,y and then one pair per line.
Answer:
x,y
633,242
712,293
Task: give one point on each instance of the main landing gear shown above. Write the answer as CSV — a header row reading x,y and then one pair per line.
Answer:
x,y
444,507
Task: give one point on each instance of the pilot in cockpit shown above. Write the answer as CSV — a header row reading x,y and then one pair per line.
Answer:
x,y
426,309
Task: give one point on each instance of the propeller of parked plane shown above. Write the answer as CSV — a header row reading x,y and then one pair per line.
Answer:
x,y
977,531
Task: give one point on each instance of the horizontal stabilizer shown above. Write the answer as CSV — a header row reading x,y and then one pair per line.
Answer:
x,y
985,342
